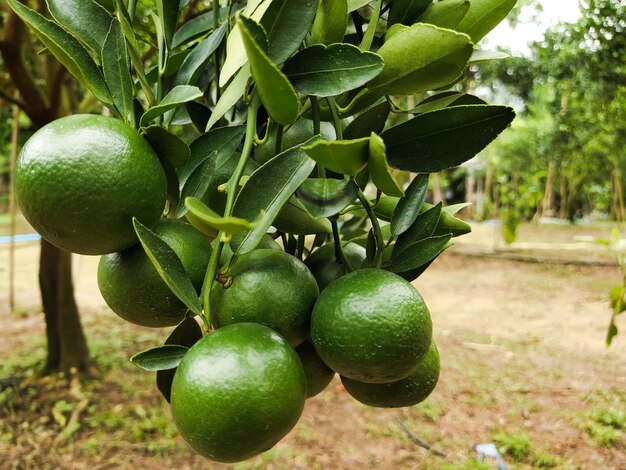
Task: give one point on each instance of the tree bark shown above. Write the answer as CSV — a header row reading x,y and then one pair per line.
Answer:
x,y
67,345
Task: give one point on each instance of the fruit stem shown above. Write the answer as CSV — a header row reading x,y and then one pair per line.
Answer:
x,y
231,192
378,233
340,256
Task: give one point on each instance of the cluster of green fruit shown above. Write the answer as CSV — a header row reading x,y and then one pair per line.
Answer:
x,y
241,388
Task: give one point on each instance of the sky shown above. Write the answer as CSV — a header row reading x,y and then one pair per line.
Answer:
x,y
529,29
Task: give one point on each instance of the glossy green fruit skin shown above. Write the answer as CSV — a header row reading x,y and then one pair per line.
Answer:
x,y
237,392
81,179
133,289
371,326
268,287
324,266
406,392
318,374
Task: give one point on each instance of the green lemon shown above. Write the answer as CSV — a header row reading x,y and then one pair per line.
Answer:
x,y
371,326
324,266
133,289
81,179
269,287
298,133
318,375
406,392
237,392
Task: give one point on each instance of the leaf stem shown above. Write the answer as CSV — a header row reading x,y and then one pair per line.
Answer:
x,y
378,233
332,106
315,108
233,184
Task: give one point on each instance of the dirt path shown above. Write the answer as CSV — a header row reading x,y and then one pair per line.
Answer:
x,y
523,357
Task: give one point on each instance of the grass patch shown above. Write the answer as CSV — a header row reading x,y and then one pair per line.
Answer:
x,y
517,445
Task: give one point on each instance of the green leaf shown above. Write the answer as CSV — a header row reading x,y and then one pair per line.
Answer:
x,y
483,16
116,68
66,49
379,169
206,215
442,139
287,22
436,102
446,13
177,96
277,94
347,157
268,189
408,207
407,11
612,332
223,141
294,218
330,22
198,183
356,4
448,223
454,208
168,15
86,20
167,144
199,114
193,29
195,63
481,56
325,197
372,120
169,267
230,96
423,227
417,254
160,358
329,71
420,58
187,333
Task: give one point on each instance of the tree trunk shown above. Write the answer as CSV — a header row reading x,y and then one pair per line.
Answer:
x,y
563,195
67,346
437,192
545,209
618,209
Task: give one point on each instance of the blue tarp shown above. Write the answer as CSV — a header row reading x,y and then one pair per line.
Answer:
x,y
29,237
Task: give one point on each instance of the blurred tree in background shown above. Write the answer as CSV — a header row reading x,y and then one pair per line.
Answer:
x,y
566,154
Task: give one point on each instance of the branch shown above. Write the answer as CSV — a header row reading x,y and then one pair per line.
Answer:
x,y
5,96
35,103
418,441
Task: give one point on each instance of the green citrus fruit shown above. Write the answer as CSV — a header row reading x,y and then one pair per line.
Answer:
x,y
298,133
268,287
325,267
237,392
372,326
318,375
133,289
406,392
81,179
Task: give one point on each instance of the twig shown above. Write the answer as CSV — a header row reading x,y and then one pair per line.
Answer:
x,y
418,441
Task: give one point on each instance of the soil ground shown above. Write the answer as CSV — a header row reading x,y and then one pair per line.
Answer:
x,y
524,366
